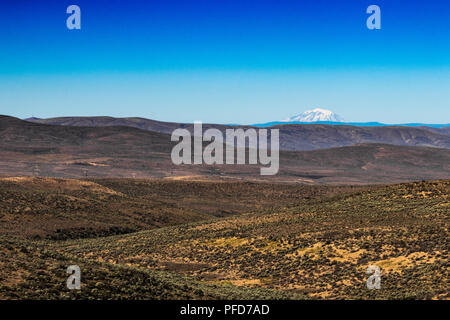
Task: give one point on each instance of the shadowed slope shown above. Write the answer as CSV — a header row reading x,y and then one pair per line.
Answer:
x,y
64,151
296,137
320,249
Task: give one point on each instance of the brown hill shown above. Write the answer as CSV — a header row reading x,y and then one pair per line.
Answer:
x,y
294,137
319,249
67,151
59,208
443,130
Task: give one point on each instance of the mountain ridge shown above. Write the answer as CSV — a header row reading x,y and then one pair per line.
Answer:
x,y
294,137
316,114
28,149
356,124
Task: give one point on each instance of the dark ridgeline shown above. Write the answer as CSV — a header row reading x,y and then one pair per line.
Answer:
x,y
343,154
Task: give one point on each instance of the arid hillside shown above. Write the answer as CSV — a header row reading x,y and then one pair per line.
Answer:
x,y
275,241
293,137
28,149
319,250
57,208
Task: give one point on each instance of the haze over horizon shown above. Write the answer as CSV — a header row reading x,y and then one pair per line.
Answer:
x,y
226,61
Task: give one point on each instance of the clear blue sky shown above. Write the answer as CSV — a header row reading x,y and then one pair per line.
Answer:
x,y
226,61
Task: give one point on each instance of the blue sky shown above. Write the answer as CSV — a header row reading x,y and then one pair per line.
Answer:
x,y
226,61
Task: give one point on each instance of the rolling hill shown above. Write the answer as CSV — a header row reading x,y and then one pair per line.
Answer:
x,y
60,208
110,200
69,151
294,137
319,248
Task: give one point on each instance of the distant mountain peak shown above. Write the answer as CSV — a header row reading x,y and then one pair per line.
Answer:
x,y
32,119
315,115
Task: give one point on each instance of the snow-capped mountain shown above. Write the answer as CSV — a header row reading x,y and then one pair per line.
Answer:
x,y
314,115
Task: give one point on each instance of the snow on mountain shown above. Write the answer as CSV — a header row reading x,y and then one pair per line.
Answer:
x,y
314,115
